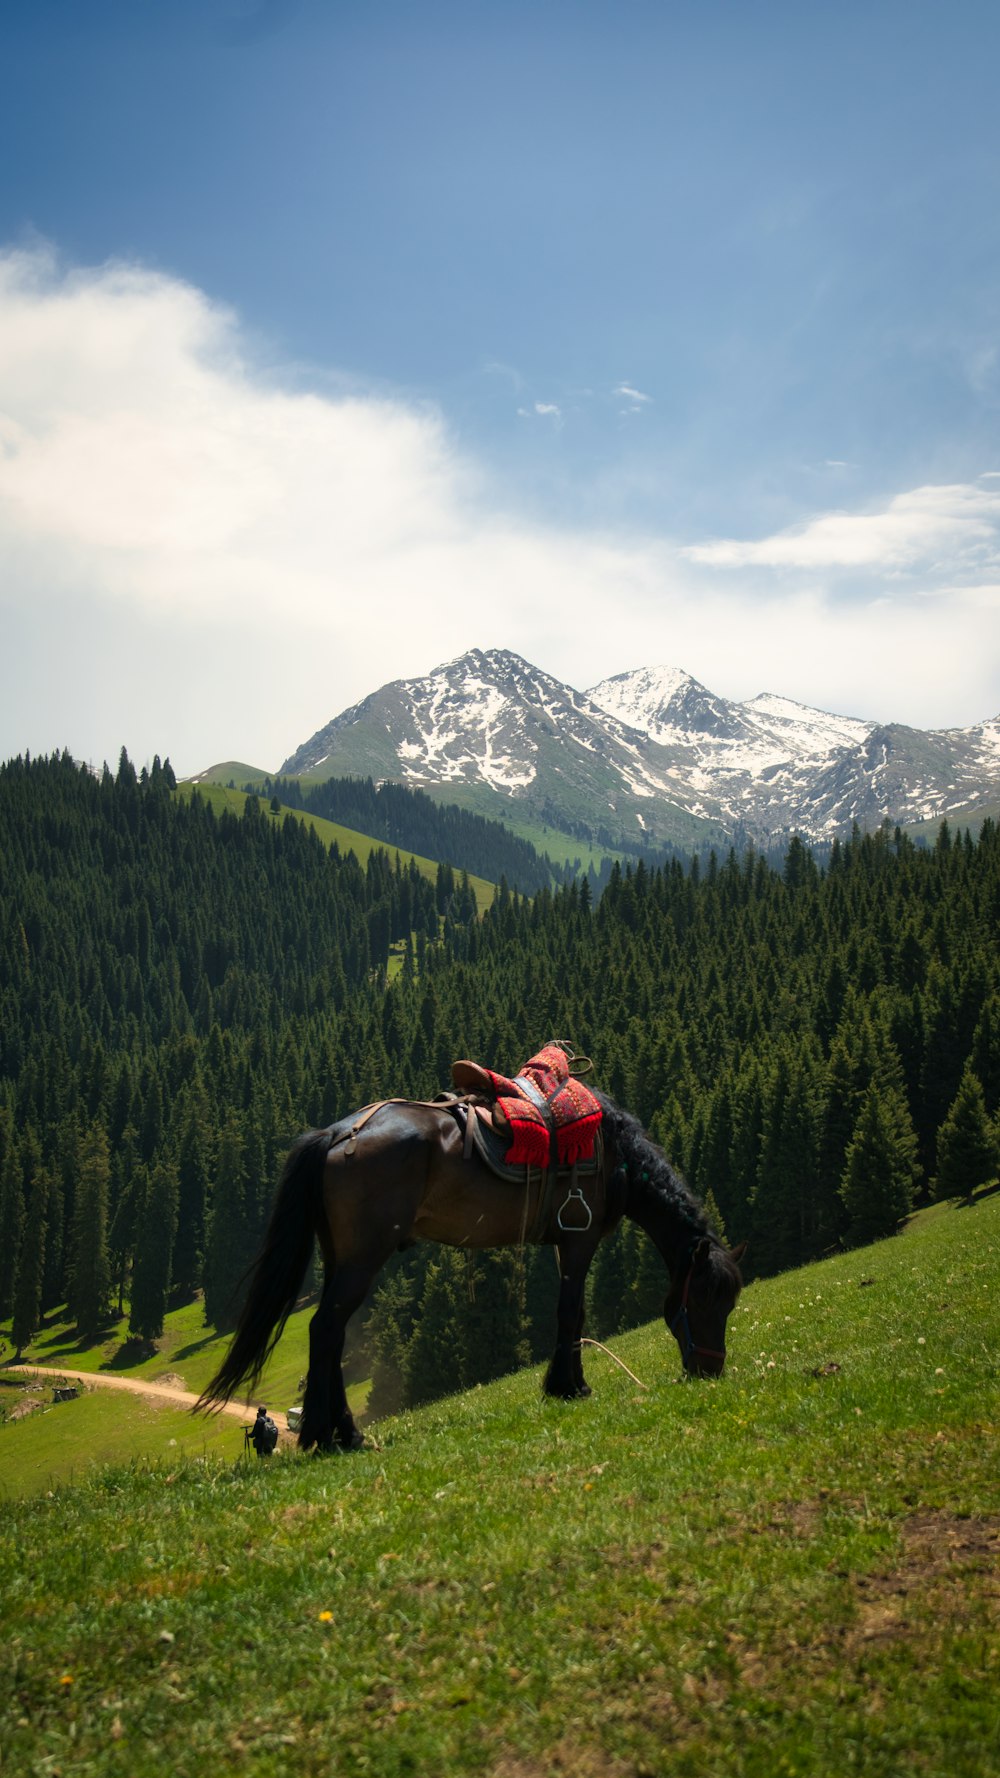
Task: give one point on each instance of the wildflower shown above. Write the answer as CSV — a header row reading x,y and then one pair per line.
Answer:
x,y
67,1679
326,1617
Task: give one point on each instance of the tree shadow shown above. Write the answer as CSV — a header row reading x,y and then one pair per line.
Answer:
x,y
194,1346
978,1197
131,1352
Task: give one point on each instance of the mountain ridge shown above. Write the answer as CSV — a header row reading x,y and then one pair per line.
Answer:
x,y
650,755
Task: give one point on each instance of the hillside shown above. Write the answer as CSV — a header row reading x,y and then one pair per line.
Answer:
x,y
396,816
793,1570
332,833
182,992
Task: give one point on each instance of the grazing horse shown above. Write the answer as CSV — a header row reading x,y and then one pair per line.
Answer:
x,y
405,1171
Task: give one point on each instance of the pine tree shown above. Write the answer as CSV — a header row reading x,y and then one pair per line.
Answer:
x,y
388,1331
434,1356
784,1196
193,1188
90,1273
714,1214
127,1192
228,1248
610,1275
12,1216
27,1317
967,1149
494,1324
877,1187
645,1296
157,1228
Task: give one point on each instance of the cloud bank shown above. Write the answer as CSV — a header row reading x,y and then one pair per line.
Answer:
x,y
959,524
202,559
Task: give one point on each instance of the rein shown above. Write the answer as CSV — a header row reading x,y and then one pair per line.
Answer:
x,y
685,1338
622,1366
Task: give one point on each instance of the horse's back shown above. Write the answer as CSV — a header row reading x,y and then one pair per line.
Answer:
x,y
378,1169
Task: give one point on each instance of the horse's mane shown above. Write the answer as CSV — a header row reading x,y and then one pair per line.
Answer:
x,y
651,1174
654,1181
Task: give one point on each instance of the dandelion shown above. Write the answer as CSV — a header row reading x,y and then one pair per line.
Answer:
x,y
326,1617
921,1341
67,1679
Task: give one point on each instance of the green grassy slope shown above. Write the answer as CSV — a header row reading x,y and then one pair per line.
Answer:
x,y
329,831
57,1446
53,1448
790,1571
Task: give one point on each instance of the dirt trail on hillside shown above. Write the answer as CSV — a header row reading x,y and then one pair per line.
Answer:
x,y
164,1392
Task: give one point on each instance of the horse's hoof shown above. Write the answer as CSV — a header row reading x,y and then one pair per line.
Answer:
x,y
348,1438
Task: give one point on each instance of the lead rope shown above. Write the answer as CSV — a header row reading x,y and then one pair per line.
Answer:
x,y
617,1361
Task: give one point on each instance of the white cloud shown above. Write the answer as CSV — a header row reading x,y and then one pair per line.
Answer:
x,y
201,562
548,407
959,522
631,394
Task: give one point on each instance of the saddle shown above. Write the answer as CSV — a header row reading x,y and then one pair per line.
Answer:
x,y
545,1112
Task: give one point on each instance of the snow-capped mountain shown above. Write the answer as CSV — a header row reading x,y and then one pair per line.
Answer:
x,y
648,755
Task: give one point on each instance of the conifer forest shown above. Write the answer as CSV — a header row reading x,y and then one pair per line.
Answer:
x,y
817,1049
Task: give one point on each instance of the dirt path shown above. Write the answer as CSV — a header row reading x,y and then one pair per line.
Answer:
x,y
164,1392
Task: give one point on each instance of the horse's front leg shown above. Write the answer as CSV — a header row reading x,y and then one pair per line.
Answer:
x,y
564,1377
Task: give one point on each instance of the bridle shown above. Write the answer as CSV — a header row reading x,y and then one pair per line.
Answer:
x,y
685,1339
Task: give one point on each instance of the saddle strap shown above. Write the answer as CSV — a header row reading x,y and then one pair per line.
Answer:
x,y
443,1102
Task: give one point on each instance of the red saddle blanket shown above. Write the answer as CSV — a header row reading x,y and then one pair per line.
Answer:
x,y
545,1107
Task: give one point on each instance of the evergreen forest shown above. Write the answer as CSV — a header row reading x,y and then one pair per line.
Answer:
x,y
411,820
818,1049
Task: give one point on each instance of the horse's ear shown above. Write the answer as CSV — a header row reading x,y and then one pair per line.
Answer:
x,y
736,1253
702,1249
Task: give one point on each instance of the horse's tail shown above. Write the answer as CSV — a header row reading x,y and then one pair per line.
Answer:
x,y
278,1271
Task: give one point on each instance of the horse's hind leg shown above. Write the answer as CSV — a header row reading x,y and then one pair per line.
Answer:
x,y
326,1418
316,1426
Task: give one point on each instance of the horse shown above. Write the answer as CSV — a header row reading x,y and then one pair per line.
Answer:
x,y
402,1171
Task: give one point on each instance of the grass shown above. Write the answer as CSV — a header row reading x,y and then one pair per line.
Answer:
x,y
791,1571
57,1446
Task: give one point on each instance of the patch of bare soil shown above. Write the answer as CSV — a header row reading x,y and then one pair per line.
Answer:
x,y
943,1560
566,1759
28,1403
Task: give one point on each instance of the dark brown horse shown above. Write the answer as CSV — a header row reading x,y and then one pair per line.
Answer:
x,y
407,1172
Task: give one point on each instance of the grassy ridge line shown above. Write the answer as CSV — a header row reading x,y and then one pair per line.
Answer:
x,y
361,844
793,1571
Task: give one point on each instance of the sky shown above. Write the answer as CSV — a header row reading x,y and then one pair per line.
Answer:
x,y
340,336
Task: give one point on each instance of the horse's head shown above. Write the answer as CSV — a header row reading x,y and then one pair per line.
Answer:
x,y
699,1301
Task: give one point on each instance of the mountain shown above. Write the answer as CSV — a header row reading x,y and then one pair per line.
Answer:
x,y
648,757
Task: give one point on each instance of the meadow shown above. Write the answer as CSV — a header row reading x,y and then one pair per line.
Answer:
x,y
794,1570
64,1444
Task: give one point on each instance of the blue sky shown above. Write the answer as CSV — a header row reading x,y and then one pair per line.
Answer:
x,y
338,338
